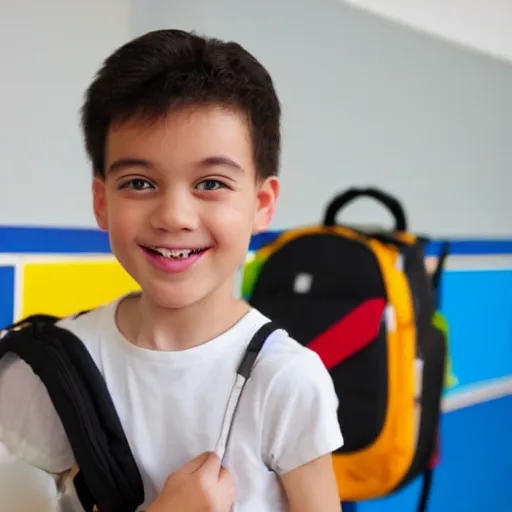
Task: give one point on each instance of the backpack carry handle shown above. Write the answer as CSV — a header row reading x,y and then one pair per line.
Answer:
x,y
392,204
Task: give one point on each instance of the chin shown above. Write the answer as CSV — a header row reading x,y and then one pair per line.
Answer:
x,y
174,297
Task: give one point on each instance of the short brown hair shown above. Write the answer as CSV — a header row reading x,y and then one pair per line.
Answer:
x,y
166,69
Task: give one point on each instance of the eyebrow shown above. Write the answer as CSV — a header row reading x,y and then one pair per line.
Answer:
x,y
224,161
211,161
123,163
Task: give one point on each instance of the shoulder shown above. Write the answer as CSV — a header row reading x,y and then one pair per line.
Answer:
x,y
284,363
88,325
298,404
29,424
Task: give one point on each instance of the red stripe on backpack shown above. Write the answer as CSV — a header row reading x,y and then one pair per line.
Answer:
x,y
351,334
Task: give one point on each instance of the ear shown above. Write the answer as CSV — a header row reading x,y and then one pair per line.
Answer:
x,y
100,203
268,193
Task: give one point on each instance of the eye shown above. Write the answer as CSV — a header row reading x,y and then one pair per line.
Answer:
x,y
210,185
137,184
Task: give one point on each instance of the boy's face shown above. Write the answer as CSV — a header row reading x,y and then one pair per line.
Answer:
x,y
180,201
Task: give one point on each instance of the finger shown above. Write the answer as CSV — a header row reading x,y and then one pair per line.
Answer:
x,y
195,464
226,486
223,474
210,465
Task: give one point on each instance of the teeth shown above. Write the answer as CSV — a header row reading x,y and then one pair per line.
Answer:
x,y
177,254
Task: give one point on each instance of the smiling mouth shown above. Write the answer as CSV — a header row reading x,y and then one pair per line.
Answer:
x,y
175,254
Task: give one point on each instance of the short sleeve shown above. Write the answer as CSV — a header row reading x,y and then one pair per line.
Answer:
x,y
29,425
300,414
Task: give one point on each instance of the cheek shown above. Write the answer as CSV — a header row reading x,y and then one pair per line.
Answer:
x,y
123,218
232,223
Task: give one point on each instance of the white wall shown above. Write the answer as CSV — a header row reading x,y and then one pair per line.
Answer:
x,y
482,25
49,50
369,102
365,102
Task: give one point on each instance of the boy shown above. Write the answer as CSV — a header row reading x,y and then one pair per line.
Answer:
x,y
184,138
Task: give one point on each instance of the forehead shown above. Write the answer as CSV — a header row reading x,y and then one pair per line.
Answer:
x,y
183,137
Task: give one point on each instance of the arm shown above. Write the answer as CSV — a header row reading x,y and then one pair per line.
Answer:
x,y
34,437
312,487
301,431
26,488
29,425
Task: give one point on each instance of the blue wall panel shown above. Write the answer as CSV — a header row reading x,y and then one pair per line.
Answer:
x,y
31,240
474,474
478,305
6,295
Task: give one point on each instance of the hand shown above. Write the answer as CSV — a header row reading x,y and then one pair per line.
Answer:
x,y
201,485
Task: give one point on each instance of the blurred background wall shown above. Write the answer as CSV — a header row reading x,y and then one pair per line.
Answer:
x,y
365,101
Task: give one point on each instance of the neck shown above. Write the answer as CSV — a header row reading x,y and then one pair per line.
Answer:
x,y
149,325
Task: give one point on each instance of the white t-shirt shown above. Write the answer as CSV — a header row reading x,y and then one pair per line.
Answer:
x,y
171,406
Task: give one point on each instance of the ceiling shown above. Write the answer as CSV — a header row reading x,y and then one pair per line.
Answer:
x,y
484,26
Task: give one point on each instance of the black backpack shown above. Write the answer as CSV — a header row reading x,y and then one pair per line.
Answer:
x,y
108,479
363,300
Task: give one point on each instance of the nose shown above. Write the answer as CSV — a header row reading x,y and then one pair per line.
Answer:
x,y
175,211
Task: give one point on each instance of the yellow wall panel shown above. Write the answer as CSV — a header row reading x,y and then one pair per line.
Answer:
x,y
64,288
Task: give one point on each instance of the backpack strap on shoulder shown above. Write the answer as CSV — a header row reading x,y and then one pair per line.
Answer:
x,y
108,478
254,348
242,376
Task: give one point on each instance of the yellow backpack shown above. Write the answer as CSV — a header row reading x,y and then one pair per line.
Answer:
x,y
366,304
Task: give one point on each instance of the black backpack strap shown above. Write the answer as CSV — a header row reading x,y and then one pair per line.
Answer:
x,y
108,476
242,376
438,272
254,348
425,490
437,275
